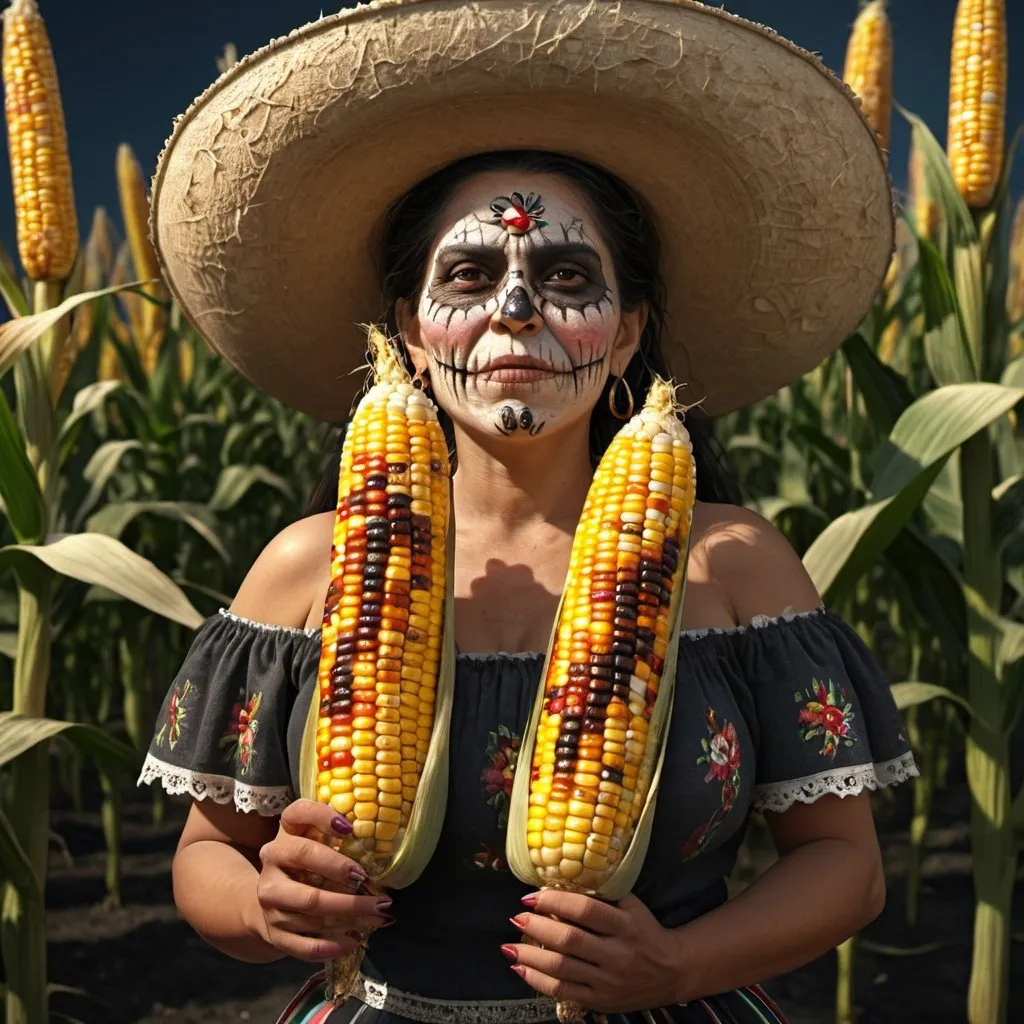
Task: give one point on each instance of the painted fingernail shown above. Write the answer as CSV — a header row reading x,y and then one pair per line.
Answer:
x,y
341,825
519,921
519,969
509,952
387,920
357,875
384,903
529,900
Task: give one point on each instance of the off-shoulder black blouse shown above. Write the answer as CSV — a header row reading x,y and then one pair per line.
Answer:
x,y
782,710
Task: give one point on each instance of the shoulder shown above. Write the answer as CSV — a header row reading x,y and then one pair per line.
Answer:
x,y
751,561
291,575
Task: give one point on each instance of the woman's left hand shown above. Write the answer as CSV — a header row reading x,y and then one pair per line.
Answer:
x,y
612,958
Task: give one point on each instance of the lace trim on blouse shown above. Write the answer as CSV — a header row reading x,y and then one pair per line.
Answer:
x,y
849,781
379,996
268,627
221,789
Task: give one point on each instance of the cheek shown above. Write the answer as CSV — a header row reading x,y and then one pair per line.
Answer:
x,y
586,338
450,333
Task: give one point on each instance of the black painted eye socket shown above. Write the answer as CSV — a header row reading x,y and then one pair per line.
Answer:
x,y
469,275
567,277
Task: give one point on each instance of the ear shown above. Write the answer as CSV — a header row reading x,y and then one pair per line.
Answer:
x,y
409,328
627,338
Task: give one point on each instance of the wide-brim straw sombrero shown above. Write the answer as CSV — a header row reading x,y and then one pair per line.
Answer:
x,y
768,187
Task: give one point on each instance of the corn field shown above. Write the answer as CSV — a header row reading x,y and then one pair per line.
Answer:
x,y
141,476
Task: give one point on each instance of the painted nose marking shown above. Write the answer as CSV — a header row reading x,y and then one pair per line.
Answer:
x,y
518,305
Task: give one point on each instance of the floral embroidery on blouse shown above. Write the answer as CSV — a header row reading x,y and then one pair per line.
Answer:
x,y
491,855
241,731
827,714
176,714
723,757
502,754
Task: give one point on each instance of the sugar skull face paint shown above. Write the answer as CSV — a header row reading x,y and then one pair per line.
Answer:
x,y
519,323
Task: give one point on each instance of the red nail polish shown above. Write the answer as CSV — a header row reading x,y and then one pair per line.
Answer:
x,y
529,900
519,922
519,969
388,921
510,953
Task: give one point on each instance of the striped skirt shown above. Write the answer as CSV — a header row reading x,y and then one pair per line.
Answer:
x,y
375,1003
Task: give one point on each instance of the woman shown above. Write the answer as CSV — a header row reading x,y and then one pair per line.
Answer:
x,y
531,341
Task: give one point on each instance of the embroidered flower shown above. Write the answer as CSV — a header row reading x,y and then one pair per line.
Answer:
x,y
723,753
177,711
492,856
241,731
827,714
723,757
502,755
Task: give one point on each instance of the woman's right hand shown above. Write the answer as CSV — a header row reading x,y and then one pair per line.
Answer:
x,y
300,919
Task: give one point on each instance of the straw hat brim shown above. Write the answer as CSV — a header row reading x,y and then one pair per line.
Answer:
x,y
768,187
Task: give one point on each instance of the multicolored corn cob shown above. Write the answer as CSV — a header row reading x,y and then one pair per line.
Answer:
x,y
38,143
977,99
581,819
593,755
376,737
868,69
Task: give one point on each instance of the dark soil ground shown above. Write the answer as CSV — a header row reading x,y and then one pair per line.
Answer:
x,y
141,963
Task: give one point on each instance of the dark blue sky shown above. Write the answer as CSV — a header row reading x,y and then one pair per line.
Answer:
x,y
127,68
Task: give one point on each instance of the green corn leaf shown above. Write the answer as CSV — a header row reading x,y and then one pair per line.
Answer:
x,y
19,334
942,504
98,470
774,507
996,228
19,486
752,443
1009,664
910,694
1013,375
933,586
885,949
91,397
945,342
922,439
1008,518
19,733
114,518
104,562
15,299
964,260
234,483
14,863
885,392
833,456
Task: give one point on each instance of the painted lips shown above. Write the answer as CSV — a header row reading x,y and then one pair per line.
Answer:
x,y
515,370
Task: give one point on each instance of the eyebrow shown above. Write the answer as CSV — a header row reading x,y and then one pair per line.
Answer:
x,y
547,251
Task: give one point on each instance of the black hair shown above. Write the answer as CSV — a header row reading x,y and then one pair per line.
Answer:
x,y
408,231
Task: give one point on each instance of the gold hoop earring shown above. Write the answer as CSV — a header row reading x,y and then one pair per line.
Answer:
x,y
613,399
